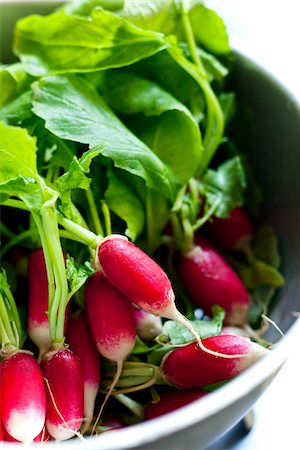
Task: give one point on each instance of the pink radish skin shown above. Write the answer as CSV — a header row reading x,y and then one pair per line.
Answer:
x,y
191,367
81,342
232,233
147,325
37,322
171,400
23,398
138,276
209,280
111,320
64,389
143,281
110,317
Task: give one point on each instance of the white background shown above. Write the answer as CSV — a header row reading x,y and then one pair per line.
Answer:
x,y
269,31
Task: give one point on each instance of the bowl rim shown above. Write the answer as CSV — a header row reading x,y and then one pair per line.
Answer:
x,y
189,415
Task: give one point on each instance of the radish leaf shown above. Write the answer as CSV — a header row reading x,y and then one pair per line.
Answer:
x,y
122,200
60,43
166,125
73,110
17,153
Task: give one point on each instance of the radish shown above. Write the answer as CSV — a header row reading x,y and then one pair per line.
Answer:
x,y
170,400
81,342
111,319
147,325
37,322
232,233
112,422
23,399
191,367
142,280
64,389
209,280
44,436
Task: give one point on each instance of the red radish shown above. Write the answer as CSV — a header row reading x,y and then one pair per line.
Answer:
x,y
81,342
147,325
111,319
18,257
44,436
64,389
23,399
112,421
37,322
232,233
209,280
140,278
170,400
191,367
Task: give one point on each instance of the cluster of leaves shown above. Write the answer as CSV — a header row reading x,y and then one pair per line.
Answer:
x,y
109,122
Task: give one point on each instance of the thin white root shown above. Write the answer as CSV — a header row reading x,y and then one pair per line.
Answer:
x,y
111,388
176,315
65,425
267,319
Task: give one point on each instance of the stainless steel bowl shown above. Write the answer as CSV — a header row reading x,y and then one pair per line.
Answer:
x,y
275,158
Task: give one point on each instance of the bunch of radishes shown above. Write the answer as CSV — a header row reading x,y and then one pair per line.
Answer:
x,y
57,398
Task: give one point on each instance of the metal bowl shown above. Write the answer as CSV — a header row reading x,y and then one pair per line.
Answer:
x,y
275,158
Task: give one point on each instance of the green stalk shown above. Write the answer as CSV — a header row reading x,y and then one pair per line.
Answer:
x,y
86,236
15,313
5,341
18,204
49,268
215,120
5,231
136,408
94,213
200,222
7,335
107,219
190,38
54,249
16,239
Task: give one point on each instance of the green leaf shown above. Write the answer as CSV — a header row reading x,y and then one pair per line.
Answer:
x,y
73,110
157,354
151,15
76,275
265,246
123,201
3,280
17,110
60,43
17,153
227,101
227,184
259,273
140,347
52,151
175,333
162,69
15,80
85,7
209,29
168,127
75,178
